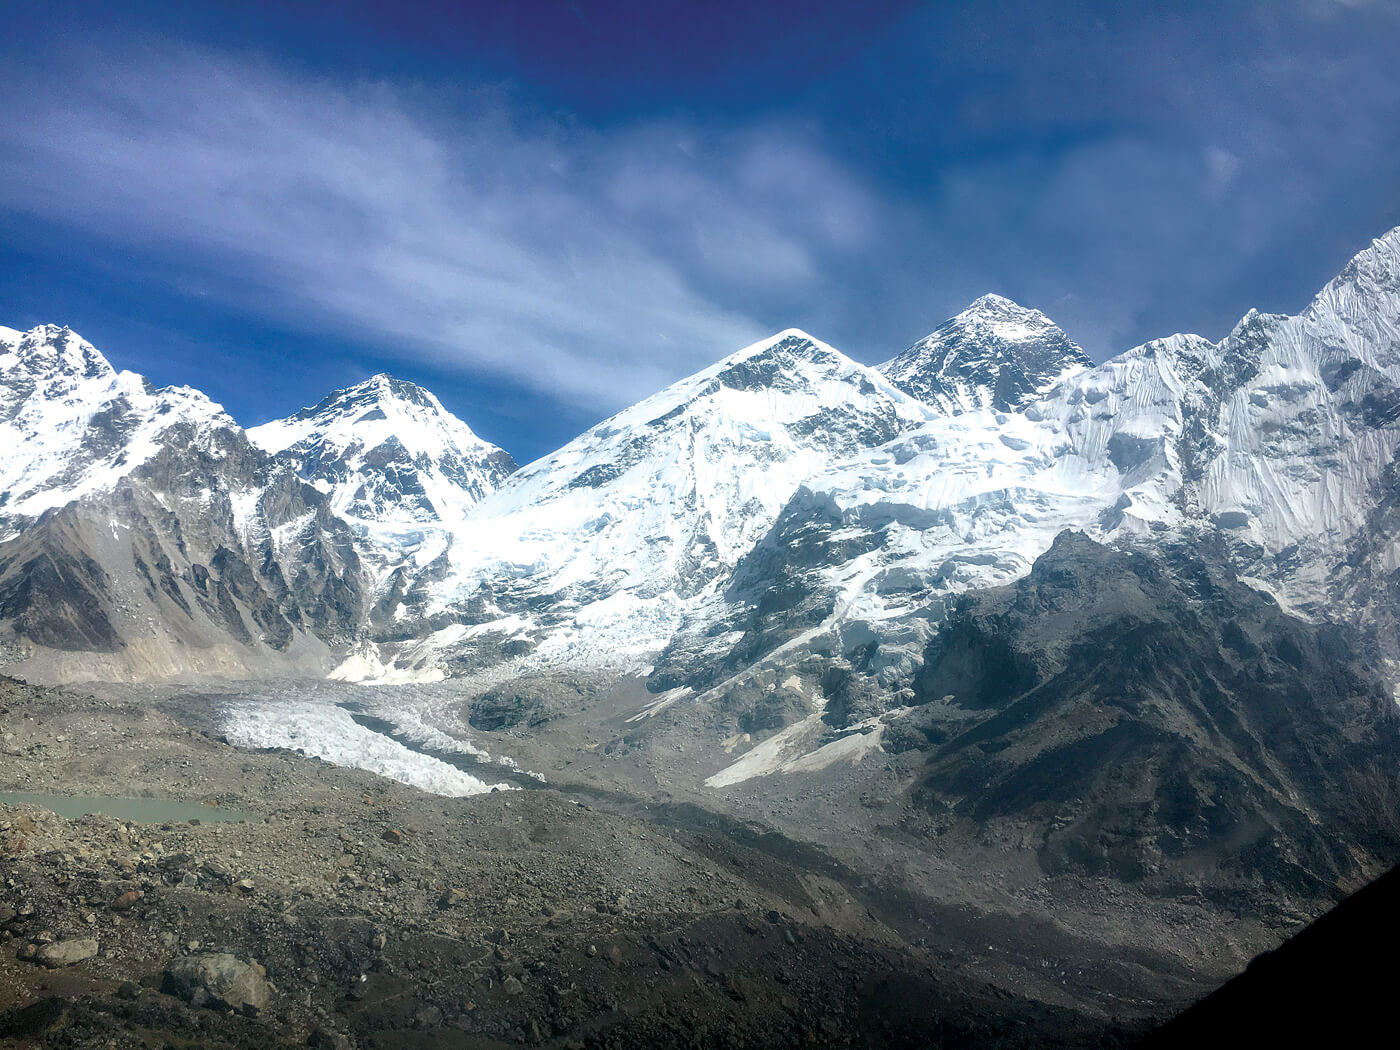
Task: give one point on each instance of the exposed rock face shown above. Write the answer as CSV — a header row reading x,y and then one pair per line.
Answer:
x,y
1155,719
164,543
72,426
996,354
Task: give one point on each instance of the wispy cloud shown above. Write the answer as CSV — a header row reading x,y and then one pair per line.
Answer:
x,y
1134,172
459,232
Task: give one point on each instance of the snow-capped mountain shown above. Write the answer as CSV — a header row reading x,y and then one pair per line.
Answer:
x,y
145,536
785,504
594,555
71,425
1275,444
868,556
995,354
387,453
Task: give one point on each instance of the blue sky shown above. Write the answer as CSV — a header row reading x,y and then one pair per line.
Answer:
x,y
544,211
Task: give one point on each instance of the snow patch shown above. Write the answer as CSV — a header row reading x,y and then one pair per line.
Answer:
x,y
329,732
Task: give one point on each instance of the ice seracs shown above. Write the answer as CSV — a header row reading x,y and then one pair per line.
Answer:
x,y
996,354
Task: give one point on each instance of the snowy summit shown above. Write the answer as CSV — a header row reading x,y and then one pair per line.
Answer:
x,y
995,354
387,452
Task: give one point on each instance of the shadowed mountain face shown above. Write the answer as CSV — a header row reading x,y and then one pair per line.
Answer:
x,y
204,558
1154,719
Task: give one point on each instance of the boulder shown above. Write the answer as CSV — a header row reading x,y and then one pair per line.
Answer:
x,y
66,953
218,980
452,897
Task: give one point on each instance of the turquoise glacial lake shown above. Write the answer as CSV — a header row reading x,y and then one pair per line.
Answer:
x,y
139,810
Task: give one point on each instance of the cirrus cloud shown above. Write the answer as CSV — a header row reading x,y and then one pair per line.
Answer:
x,y
472,236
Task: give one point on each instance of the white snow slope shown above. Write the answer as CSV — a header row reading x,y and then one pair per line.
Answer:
x,y
597,552
388,454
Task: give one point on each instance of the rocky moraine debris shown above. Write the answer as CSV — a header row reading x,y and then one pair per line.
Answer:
x,y
515,918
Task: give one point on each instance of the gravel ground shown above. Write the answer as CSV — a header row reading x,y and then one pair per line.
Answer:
x,y
364,913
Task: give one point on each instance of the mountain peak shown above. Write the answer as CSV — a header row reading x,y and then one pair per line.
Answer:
x,y
1008,319
1366,292
51,351
388,451
787,362
792,342
1390,239
391,386
995,354
992,301
376,391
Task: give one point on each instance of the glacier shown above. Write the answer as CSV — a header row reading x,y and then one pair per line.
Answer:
x,y
785,510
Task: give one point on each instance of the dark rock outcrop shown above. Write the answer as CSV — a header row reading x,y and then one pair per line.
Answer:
x,y
1158,721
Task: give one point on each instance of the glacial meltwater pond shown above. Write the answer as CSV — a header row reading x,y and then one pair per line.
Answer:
x,y
140,810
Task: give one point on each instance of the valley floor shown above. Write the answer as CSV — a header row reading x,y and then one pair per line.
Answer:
x,y
383,916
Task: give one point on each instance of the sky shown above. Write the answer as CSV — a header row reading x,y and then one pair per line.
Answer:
x,y
544,211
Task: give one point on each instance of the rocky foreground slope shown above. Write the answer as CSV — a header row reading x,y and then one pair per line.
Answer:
x,y
1161,723
1334,976
348,911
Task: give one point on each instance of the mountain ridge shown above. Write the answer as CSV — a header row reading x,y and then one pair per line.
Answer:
x,y
666,526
